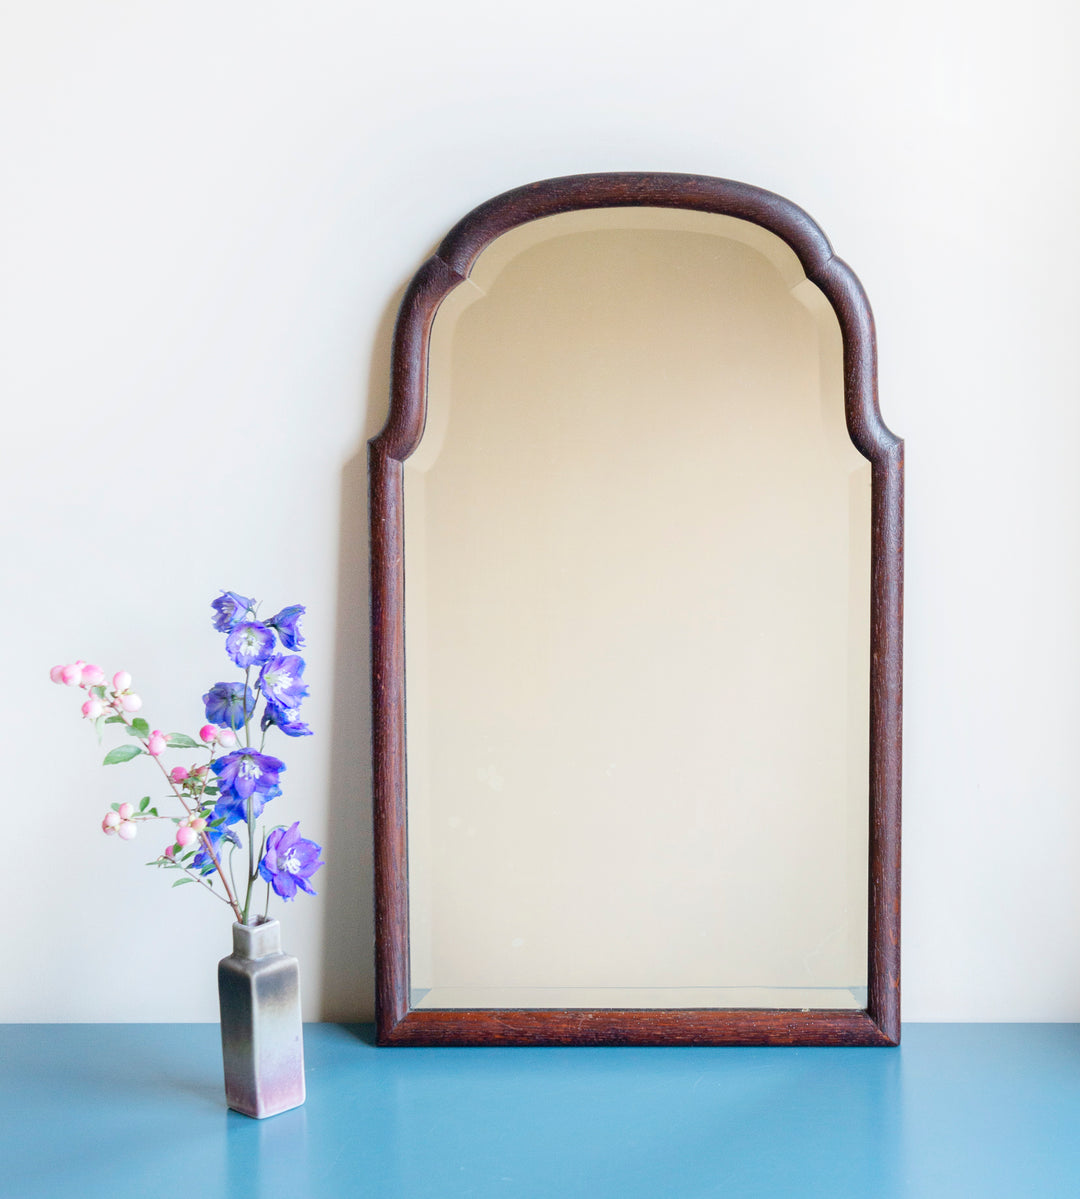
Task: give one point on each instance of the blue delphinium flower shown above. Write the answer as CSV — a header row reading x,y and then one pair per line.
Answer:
x,y
250,644
233,810
290,860
229,705
229,610
246,771
286,719
287,623
202,861
281,682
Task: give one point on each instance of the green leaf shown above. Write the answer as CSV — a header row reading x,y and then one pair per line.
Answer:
x,y
114,720
122,753
211,791
115,807
144,803
98,692
181,741
151,811
140,726
180,881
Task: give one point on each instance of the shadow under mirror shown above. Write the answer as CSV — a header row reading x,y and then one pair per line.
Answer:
x,y
637,592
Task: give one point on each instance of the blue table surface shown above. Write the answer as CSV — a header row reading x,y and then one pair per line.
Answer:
x,y
980,1110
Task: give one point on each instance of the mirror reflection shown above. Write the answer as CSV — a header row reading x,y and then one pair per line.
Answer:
x,y
637,575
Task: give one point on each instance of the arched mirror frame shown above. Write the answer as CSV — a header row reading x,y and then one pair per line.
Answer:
x,y
398,1024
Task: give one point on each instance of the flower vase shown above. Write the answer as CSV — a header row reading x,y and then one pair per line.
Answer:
x,y
262,1040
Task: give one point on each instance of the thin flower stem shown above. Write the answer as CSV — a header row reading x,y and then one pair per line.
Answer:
x,y
247,715
184,804
232,850
266,910
203,883
250,804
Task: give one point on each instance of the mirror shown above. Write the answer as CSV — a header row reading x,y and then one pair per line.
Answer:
x,y
635,794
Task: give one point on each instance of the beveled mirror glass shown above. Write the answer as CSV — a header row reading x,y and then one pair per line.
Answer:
x,y
634,797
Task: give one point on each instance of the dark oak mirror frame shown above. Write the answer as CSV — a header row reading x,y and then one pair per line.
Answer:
x,y
398,1024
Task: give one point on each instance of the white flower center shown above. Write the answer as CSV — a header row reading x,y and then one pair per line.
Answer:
x,y
290,863
248,768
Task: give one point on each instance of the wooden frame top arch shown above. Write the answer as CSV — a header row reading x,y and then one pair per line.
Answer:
x,y
398,1024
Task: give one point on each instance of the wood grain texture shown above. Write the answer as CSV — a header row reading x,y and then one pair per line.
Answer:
x,y
396,1023
664,1026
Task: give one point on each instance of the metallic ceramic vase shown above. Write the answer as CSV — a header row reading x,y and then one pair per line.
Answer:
x,y
262,1039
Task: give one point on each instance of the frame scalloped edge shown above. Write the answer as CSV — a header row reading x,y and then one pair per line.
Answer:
x,y
397,1023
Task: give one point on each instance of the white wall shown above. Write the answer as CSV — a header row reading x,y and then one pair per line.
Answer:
x,y
209,212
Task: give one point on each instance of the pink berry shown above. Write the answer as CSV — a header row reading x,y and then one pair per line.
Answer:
x,y
226,738
127,829
197,823
178,774
169,851
121,681
57,674
112,819
92,675
72,674
208,733
156,745
186,836
130,702
125,811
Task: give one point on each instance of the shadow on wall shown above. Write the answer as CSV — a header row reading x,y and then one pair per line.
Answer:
x,y
348,959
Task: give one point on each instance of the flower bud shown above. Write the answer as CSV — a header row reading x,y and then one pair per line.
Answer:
x,y
92,676
208,733
178,774
72,674
156,745
112,819
127,829
57,674
121,681
226,738
130,702
186,836
200,772
125,811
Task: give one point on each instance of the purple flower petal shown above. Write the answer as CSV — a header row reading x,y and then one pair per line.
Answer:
x,y
245,772
287,624
229,704
289,861
250,644
286,719
229,610
281,680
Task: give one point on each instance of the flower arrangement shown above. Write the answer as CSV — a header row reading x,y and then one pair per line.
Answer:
x,y
231,789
